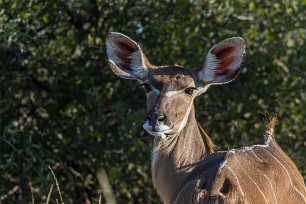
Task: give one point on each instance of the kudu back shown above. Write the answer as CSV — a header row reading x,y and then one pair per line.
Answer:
x,y
185,169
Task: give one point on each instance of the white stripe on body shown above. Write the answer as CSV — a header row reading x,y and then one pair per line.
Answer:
x,y
221,165
251,179
229,168
299,192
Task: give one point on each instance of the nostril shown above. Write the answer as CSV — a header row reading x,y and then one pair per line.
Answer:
x,y
149,117
161,118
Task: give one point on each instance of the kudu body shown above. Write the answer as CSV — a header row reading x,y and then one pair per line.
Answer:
x,y
184,167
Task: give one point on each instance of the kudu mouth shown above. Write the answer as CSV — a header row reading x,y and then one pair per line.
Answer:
x,y
158,130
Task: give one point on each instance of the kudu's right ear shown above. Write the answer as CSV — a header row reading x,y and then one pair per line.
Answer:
x,y
125,57
223,62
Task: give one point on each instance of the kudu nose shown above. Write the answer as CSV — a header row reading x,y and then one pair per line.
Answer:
x,y
155,119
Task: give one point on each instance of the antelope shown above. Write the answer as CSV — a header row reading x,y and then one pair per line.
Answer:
x,y
185,168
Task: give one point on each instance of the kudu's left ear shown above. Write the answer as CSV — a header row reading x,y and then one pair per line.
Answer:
x,y
223,62
125,57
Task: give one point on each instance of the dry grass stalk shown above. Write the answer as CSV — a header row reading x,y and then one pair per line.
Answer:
x,y
49,194
57,186
100,199
31,188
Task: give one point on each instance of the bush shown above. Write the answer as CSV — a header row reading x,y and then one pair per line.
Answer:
x,y
60,105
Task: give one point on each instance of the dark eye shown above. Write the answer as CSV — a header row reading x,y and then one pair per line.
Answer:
x,y
146,87
189,91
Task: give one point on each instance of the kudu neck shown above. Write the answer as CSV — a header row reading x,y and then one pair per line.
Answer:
x,y
192,135
173,158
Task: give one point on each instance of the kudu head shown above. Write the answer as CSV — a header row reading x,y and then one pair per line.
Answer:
x,y
171,89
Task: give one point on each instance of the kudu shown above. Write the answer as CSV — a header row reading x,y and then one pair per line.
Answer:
x,y
185,168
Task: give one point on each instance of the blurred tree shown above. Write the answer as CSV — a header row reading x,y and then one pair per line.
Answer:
x,y
60,105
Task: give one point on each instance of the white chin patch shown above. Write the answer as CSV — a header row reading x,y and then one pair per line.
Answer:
x,y
162,130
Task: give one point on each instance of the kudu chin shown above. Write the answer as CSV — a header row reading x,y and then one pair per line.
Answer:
x,y
185,169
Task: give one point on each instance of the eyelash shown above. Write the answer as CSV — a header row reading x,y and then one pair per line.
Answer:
x,y
146,87
189,90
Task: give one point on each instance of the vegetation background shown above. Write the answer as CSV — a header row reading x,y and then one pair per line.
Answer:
x,y
60,105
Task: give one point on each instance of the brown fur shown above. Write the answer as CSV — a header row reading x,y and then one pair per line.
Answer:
x,y
261,173
209,145
177,156
185,168
271,126
124,51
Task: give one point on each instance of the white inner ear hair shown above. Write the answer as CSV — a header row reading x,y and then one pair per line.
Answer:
x,y
118,71
111,47
137,64
212,63
239,53
210,67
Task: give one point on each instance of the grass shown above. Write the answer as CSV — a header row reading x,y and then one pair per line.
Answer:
x,y
58,190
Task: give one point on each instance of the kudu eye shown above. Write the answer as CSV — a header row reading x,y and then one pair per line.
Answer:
x,y
146,87
189,90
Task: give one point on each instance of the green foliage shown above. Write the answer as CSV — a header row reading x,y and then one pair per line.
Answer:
x,y
60,105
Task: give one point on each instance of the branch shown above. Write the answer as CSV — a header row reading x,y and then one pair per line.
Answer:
x,y
22,155
11,192
106,187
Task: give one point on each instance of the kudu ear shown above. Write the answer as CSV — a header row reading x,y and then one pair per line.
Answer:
x,y
223,62
125,57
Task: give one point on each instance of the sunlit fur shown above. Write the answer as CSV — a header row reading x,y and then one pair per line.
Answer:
x,y
185,168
